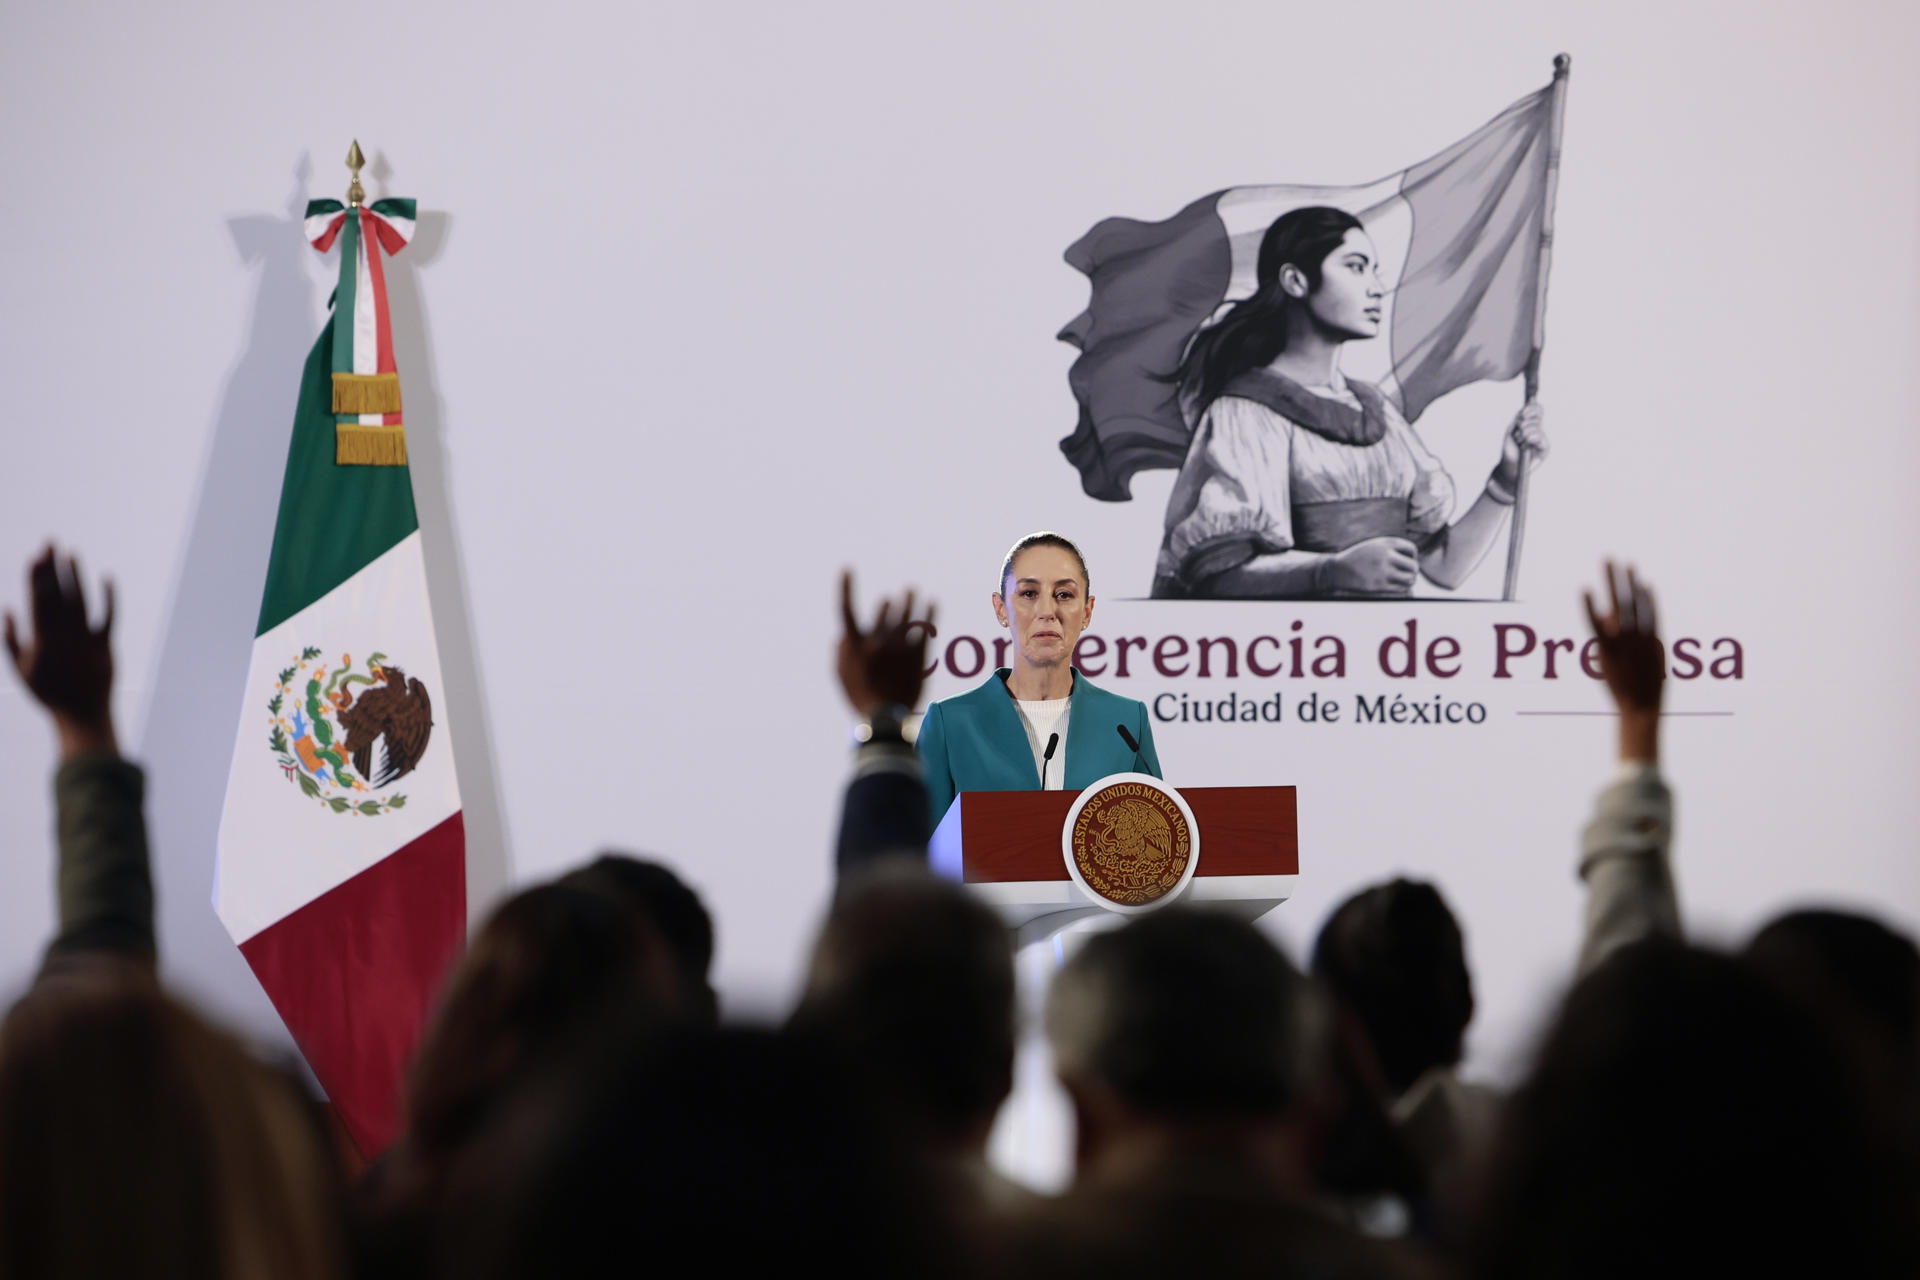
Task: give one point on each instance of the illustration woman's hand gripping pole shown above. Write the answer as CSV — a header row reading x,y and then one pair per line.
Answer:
x,y
1450,559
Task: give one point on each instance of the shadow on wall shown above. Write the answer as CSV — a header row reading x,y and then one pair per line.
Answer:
x,y
489,863
198,682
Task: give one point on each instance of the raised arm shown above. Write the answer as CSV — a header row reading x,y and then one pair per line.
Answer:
x,y
1624,849
881,672
105,882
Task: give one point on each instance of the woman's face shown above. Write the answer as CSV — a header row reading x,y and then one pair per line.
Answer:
x,y
1349,298
1046,605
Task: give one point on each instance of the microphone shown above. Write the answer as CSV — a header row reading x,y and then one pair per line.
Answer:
x,y
1053,741
1133,744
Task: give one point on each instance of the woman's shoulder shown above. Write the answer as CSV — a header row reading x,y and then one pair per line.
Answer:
x,y
1352,412
1243,406
975,700
1086,693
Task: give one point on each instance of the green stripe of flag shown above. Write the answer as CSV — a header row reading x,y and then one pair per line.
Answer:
x,y
334,520
345,296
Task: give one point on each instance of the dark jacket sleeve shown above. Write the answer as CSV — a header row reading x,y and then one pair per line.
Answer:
x,y
885,809
105,882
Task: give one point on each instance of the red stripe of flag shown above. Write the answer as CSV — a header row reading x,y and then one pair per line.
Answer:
x,y
382,319
355,972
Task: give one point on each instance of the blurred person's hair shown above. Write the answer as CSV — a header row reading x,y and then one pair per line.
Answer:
x,y
1188,1013
1393,956
551,966
1686,1118
741,1152
1869,969
911,979
1863,978
138,1140
670,906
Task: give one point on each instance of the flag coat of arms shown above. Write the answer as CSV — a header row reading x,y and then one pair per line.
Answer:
x,y
341,871
1462,239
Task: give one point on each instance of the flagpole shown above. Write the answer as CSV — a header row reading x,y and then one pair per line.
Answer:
x,y
1562,65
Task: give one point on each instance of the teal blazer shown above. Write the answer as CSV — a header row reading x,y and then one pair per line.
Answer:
x,y
976,742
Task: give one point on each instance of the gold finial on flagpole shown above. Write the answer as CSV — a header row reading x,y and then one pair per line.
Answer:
x,y
355,193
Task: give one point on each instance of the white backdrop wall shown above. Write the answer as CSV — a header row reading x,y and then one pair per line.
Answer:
x,y
711,299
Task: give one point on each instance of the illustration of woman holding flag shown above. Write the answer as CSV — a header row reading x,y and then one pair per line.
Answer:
x,y
1300,482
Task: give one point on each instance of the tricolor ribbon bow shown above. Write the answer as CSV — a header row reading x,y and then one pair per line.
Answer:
x,y
366,386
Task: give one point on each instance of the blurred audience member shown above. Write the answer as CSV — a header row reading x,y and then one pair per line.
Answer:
x,y
1394,956
551,965
1195,1058
1865,978
711,1153
1394,960
1366,1169
549,975
1685,1120
668,906
912,983
136,1140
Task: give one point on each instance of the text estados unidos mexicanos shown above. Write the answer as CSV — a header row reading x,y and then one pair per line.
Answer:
x,y
1516,650
1123,790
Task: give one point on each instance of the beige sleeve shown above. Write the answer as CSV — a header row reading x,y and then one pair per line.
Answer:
x,y
1625,865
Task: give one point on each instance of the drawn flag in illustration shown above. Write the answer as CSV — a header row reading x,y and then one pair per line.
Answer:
x,y
1461,248
342,859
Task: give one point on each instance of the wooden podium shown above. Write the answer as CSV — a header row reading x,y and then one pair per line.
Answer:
x,y
1006,846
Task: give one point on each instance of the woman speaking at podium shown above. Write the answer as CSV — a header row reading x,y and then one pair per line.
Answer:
x,y
1039,724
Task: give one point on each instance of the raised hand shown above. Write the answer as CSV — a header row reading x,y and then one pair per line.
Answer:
x,y
1383,566
883,665
1528,432
66,662
1633,662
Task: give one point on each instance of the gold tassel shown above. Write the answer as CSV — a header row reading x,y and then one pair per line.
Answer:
x,y
357,444
366,393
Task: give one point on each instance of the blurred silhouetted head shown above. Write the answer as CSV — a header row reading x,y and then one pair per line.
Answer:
x,y
1686,1118
670,906
1866,978
1837,955
912,981
715,1152
1186,1013
136,1140
1393,956
552,967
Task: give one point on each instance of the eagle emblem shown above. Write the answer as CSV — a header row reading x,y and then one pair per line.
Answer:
x,y
1129,842
346,735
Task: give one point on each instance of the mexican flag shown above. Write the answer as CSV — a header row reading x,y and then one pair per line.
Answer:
x,y
342,860
1462,250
